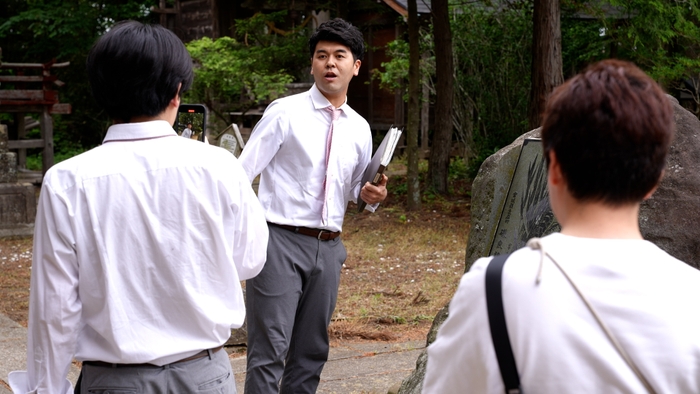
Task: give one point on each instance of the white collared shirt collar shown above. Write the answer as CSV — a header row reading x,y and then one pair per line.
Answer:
x,y
320,101
139,131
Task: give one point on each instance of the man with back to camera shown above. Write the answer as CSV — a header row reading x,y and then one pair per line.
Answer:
x,y
606,135
310,150
138,254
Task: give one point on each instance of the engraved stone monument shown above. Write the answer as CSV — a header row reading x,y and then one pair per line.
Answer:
x,y
229,139
17,200
502,217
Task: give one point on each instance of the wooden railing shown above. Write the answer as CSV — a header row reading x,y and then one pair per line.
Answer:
x,y
42,100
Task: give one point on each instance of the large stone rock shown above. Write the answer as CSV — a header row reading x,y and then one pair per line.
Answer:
x,y
17,209
17,201
669,218
489,191
8,160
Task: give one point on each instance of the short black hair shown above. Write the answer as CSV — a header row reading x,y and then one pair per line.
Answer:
x,y
340,31
134,69
610,128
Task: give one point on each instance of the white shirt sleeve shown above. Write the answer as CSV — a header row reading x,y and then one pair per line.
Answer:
x,y
264,141
251,232
358,174
54,304
462,358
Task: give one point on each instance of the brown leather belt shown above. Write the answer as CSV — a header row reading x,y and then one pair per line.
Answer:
x,y
201,354
323,235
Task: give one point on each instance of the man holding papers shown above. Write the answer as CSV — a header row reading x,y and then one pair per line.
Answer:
x,y
311,151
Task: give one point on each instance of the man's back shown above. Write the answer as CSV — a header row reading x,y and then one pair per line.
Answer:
x,y
645,296
160,248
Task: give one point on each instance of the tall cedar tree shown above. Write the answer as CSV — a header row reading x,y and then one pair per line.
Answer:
x,y
444,74
414,198
546,57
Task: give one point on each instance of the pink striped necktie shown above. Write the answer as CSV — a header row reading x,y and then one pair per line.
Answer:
x,y
335,114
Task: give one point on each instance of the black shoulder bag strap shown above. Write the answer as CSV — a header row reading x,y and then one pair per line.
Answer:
x,y
497,321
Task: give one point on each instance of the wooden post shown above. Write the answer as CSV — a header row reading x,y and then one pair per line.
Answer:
x,y
370,85
424,114
21,133
47,135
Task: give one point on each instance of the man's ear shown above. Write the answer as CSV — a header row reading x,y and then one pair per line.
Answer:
x,y
554,174
175,101
356,67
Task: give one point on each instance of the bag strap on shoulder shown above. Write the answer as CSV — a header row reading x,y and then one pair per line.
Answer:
x,y
497,322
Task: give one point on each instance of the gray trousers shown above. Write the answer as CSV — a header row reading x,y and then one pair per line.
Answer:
x,y
289,307
207,375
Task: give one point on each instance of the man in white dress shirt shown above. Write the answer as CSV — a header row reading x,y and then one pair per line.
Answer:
x,y
310,150
187,131
595,308
137,254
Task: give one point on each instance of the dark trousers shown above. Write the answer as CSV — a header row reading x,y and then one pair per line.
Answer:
x,y
211,374
289,307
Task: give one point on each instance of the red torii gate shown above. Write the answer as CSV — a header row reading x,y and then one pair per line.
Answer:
x,y
43,100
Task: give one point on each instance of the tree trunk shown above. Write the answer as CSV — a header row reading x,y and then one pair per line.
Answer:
x,y
444,89
424,112
546,57
414,198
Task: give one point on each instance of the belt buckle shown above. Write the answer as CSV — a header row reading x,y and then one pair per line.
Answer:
x,y
320,233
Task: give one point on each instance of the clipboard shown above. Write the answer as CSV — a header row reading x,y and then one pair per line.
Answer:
x,y
380,161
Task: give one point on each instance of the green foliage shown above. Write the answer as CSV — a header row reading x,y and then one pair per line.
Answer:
x,y
476,161
458,169
276,50
493,55
64,147
37,31
581,44
398,188
240,74
62,29
395,73
661,37
492,74
226,74
657,35
492,47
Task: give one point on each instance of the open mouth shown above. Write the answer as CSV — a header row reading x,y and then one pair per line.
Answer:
x,y
330,76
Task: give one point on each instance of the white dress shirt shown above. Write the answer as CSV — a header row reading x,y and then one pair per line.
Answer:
x,y
288,149
646,297
139,247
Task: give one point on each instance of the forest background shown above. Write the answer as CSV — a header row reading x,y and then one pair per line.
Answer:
x,y
403,278
491,44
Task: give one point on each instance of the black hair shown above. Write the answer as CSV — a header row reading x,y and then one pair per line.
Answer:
x,y
610,128
134,69
342,32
